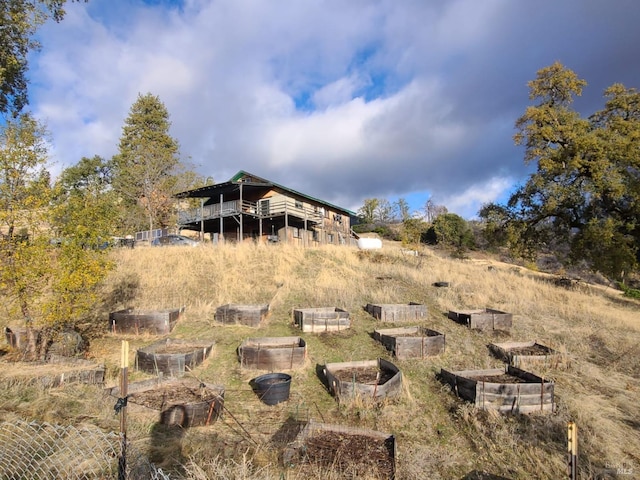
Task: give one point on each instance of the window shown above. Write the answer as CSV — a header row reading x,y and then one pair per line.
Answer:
x,y
330,237
299,204
296,232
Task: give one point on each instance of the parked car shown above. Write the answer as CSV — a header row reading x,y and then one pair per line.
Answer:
x,y
174,240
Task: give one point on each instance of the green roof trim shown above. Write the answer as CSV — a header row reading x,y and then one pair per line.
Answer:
x,y
241,174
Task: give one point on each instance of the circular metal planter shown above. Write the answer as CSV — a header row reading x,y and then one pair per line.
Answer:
x,y
272,388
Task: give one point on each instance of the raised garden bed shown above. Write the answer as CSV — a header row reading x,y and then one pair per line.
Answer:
x,y
233,314
172,357
366,379
508,390
57,372
185,402
323,319
411,342
154,322
357,452
529,354
483,319
397,312
272,353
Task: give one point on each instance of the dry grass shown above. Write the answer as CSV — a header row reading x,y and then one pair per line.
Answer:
x,y
438,436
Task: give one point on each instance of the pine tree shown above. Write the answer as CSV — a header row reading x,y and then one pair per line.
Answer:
x,y
146,167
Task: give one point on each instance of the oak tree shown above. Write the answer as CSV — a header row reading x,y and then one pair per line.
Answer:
x,y
584,196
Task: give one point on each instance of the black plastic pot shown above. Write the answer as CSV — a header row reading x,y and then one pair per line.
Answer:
x,y
272,388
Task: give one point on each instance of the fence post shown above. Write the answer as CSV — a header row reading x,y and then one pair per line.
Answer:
x,y
124,364
572,450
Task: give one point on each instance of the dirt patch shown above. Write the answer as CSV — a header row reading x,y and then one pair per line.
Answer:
x,y
417,334
160,397
504,378
335,338
532,350
272,346
367,376
355,455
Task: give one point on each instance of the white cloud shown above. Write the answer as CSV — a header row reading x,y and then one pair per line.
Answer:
x,y
400,96
468,202
339,91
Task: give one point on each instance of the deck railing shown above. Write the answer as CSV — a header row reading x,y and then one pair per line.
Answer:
x,y
259,210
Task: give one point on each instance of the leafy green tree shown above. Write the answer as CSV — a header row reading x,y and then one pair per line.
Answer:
x,y
45,285
19,21
145,170
413,229
501,228
367,212
452,230
85,206
585,192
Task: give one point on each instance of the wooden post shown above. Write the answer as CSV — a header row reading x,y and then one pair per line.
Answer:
x,y
375,387
286,223
241,218
202,219
221,236
124,364
572,450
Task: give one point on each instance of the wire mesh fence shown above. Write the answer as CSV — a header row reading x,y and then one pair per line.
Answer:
x,y
43,451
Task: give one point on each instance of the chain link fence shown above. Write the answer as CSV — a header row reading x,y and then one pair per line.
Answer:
x,y
42,451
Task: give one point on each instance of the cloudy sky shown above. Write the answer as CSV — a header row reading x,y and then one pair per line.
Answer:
x,y
340,99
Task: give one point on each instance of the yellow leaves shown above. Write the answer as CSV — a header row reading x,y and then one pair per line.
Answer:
x,y
59,283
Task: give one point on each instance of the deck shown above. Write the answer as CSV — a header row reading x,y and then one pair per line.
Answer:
x,y
255,209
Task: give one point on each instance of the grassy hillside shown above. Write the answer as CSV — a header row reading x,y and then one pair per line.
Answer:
x,y
438,436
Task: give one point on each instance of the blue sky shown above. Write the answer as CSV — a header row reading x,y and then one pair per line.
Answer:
x,y
341,100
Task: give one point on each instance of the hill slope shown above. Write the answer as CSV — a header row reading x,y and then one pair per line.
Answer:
x,y
438,436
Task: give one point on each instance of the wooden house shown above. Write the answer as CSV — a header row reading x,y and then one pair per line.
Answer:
x,y
251,207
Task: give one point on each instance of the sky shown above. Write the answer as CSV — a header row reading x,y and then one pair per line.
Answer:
x,y
343,100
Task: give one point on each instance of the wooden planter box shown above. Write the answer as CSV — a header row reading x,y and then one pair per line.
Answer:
x,y
410,312
411,342
154,322
183,402
483,319
367,379
508,390
526,354
324,319
172,357
250,315
272,353
361,452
